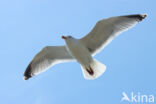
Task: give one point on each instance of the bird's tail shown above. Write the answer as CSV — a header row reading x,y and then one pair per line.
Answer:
x,y
94,70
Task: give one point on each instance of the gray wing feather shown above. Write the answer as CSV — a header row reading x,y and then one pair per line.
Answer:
x,y
46,58
107,29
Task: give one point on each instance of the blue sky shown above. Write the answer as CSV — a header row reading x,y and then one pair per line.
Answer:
x,y
26,26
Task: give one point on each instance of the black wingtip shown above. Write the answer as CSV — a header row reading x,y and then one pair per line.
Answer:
x,y
26,78
140,17
27,73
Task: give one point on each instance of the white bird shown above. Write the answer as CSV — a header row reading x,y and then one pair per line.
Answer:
x,y
83,49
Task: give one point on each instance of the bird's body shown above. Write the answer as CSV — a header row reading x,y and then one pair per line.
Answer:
x,y
78,51
91,68
83,49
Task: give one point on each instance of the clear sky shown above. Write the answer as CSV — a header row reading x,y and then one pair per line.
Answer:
x,y
26,26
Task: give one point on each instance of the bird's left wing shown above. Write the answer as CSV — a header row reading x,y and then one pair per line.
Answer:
x,y
107,29
47,57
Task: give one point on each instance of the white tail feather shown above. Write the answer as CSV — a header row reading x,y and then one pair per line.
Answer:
x,y
97,67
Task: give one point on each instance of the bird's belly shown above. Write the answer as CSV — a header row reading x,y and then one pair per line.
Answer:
x,y
81,54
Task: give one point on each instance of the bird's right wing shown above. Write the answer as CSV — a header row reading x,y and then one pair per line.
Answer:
x,y
107,29
47,57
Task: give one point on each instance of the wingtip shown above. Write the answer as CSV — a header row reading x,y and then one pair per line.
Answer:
x,y
28,74
25,78
140,17
144,15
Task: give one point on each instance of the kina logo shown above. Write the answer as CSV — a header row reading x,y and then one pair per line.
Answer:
x,y
137,98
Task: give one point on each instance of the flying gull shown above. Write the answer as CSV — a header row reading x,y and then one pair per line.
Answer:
x,y
83,49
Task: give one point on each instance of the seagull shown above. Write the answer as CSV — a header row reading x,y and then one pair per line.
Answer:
x,y
82,50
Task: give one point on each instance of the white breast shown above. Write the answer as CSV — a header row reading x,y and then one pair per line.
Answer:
x,y
79,51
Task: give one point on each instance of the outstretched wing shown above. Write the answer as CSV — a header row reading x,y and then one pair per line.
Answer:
x,y
107,29
47,57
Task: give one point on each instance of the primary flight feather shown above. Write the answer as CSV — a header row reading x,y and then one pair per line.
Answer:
x,y
83,49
